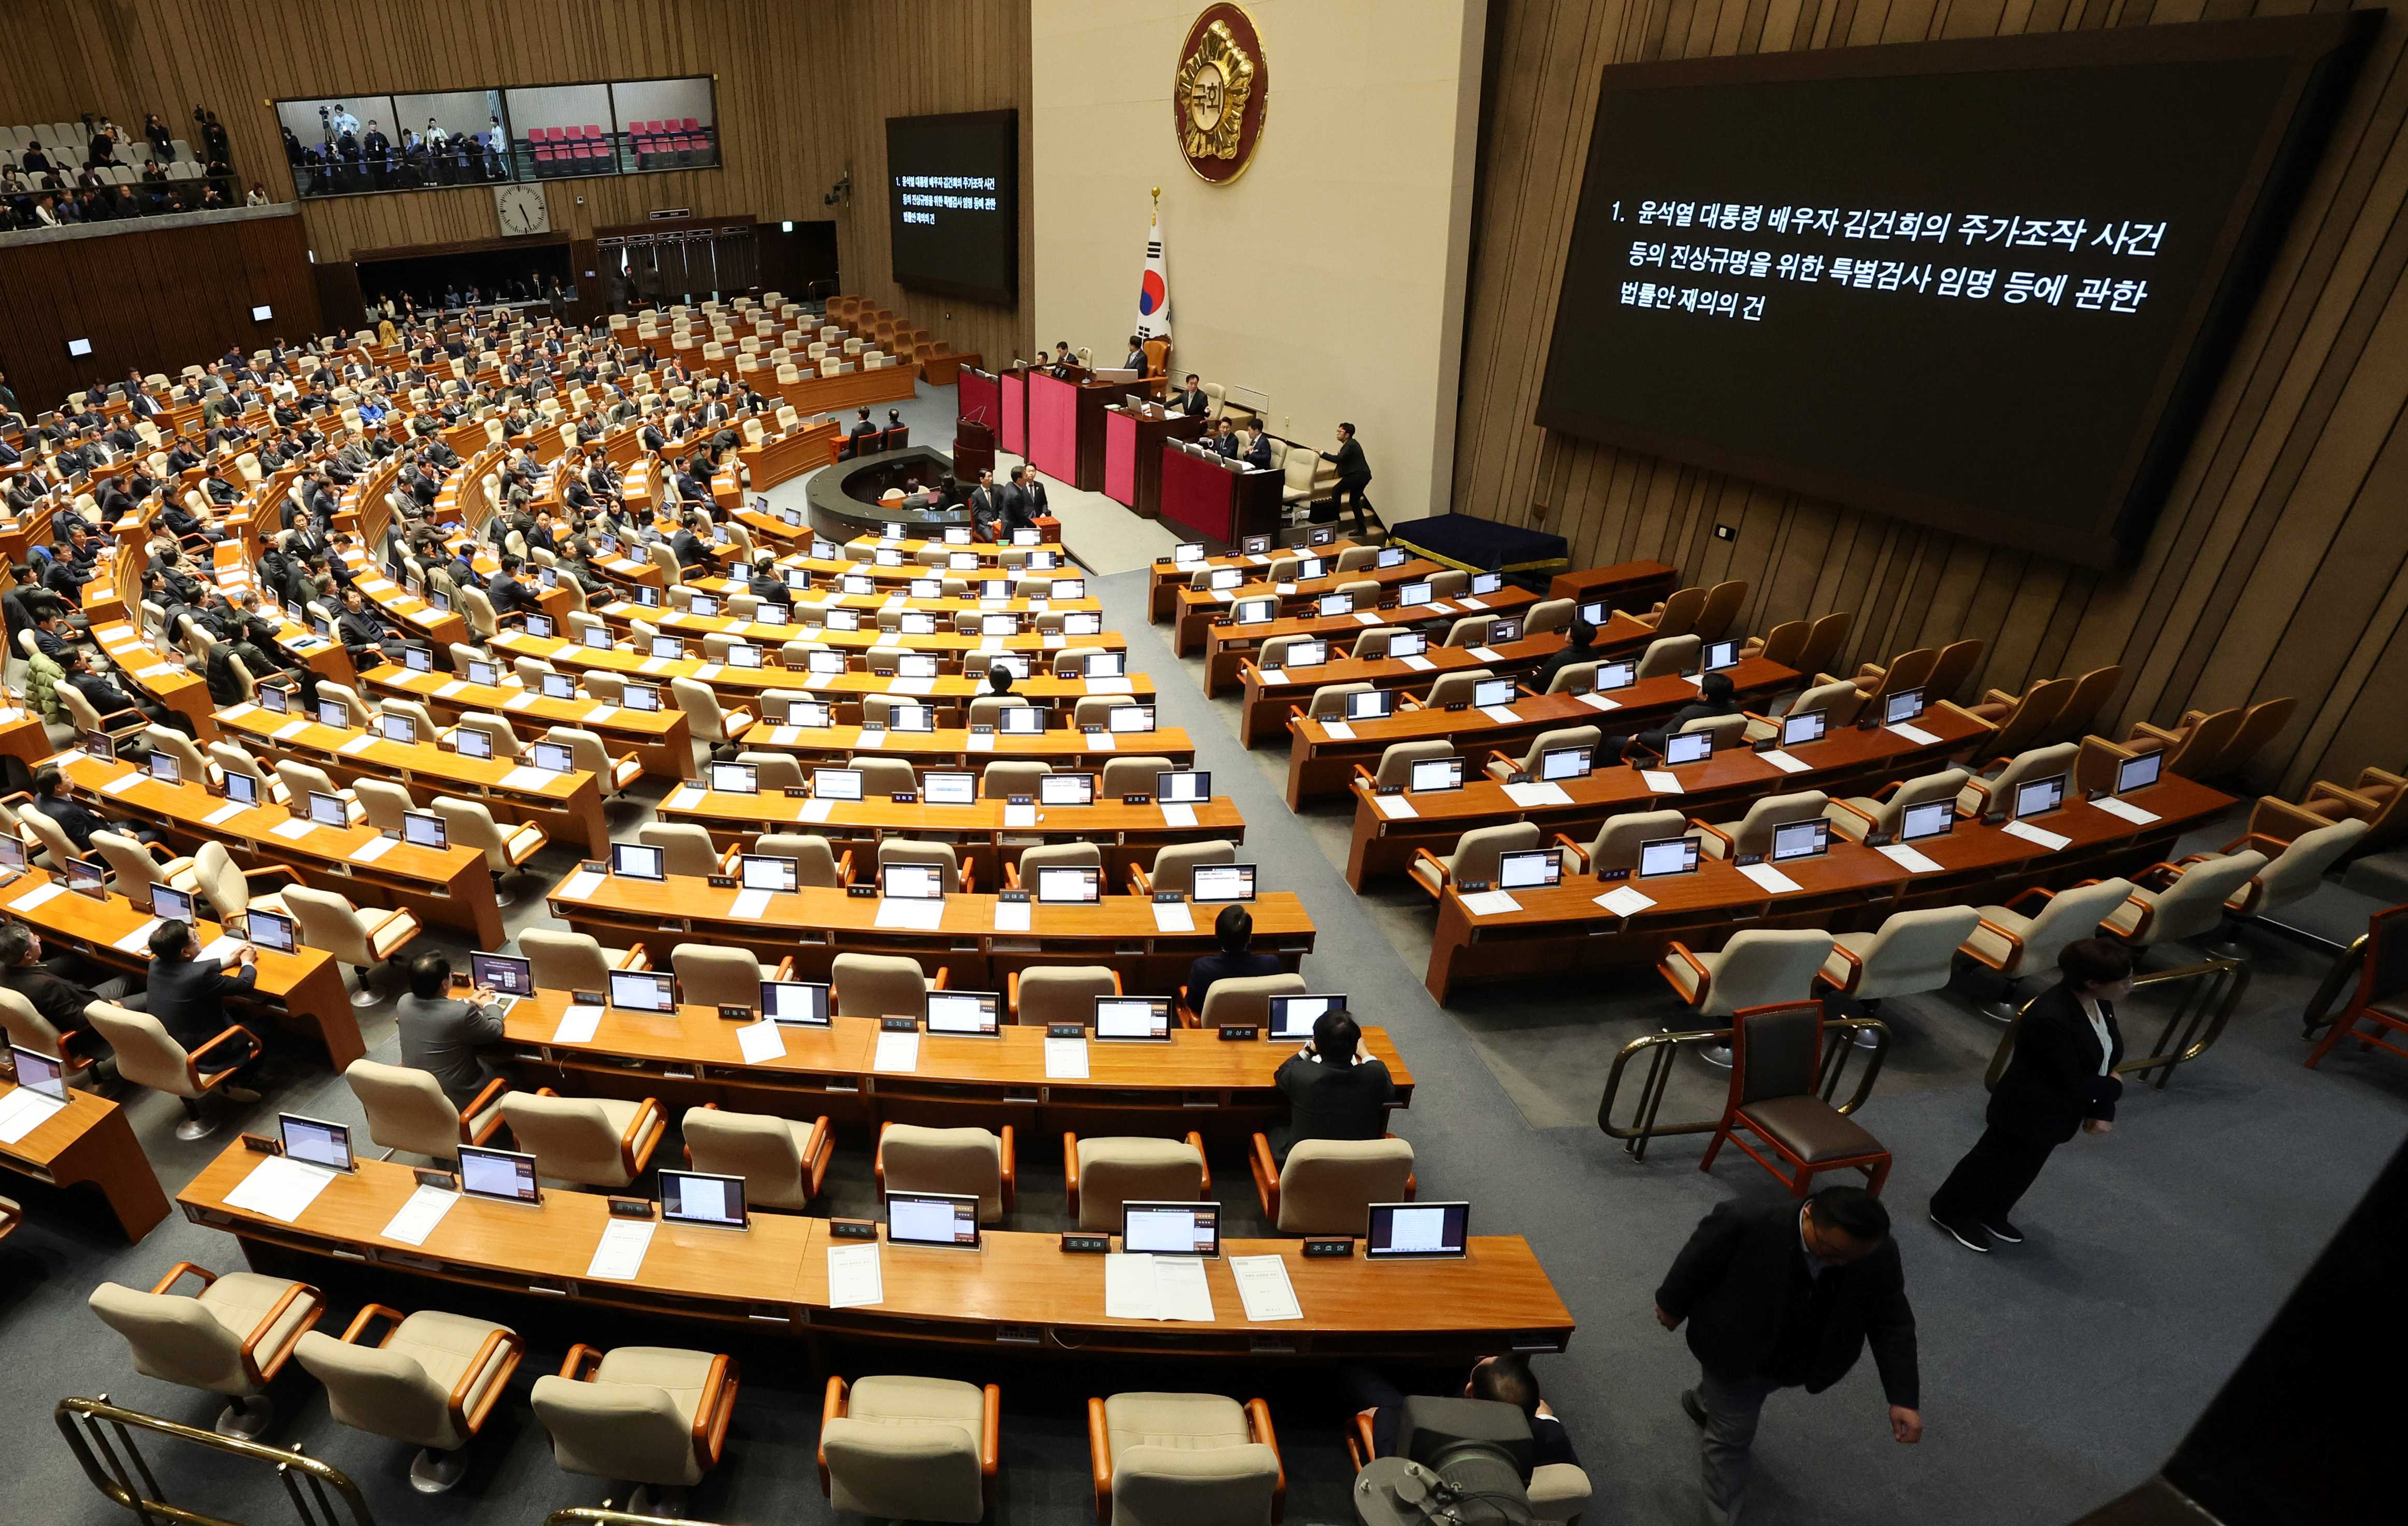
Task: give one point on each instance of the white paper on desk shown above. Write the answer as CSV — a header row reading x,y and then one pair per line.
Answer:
x,y
37,895
1491,903
707,671
1501,715
23,1110
122,783
1913,733
600,714
1257,558
818,811
1418,663
2132,814
981,742
1599,701
786,736
912,685
652,664
1066,1060
280,1187
294,830
750,906
1544,792
871,736
1785,762
1102,742
1263,1287
236,713
579,885
1178,813
619,1254
155,670
1271,677
1019,816
1011,916
855,1277
1283,589
224,946
1110,686
760,1041
1395,807
896,1054
912,915
225,813
359,744
1474,603
1770,878
1909,859
1055,642
578,1024
1658,782
447,689
2030,833
524,777
1485,654
1368,617
1622,901
1143,1287
684,798
1172,916
419,1215
520,702
289,729
140,939
1338,730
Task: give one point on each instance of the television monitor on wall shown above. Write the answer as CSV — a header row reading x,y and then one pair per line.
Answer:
x,y
952,197
1984,284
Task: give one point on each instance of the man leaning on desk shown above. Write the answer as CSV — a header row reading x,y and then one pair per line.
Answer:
x,y
188,998
441,1032
1334,1090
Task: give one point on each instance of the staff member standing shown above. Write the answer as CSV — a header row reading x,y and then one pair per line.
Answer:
x,y
2062,1080
1353,476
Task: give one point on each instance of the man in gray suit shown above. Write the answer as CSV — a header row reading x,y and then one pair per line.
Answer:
x,y
440,1032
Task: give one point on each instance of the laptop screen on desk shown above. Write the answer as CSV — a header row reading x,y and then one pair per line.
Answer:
x,y
1400,1230
425,829
767,871
1132,1017
949,788
1066,789
1170,1228
932,1218
639,861
506,1175
1802,727
1070,885
39,1074
2131,774
400,728
1901,707
1534,868
1800,840
797,1003
271,931
1432,774
2038,797
1292,1017
835,784
504,975
1182,786
736,779
694,1197
1564,763
643,990
970,1014
912,881
1690,747
1931,818
1376,705
316,1141
1667,855
1218,883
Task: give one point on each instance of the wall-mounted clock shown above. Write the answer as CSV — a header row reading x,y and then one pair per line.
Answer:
x,y
522,209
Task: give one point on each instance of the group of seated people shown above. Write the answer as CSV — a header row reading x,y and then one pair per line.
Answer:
x,y
52,185
352,157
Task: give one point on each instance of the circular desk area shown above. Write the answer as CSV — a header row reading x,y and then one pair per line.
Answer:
x,y
851,497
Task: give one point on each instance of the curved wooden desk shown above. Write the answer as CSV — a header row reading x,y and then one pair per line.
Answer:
x,y
1227,647
957,747
1266,694
1196,609
1165,576
89,1143
1020,1290
662,739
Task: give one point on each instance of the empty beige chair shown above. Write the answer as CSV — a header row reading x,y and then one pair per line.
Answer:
x,y
406,1109
654,1415
1350,558
363,939
884,777
132,867
2014,942
1913,952
909,1449
1184,1459
575,962
782,1160
1996,793
27,1028
167,740
1751,834
2171,903
1329,703
1060,993
230,759
233,1338
708,976
355,704
1548,614
1327,1186
1022,874
1860,817
494,729
430,1382
2293,874
773,770
966,1163
880,985
709,724
1474,856
904,850
303,780
1103,1174
613,775
1840,701
383,803
1396,760
1472,631
507,849
815,862
1244,1002
1001,781
1127,776
1455,688
1175,863
1668,655
1500,766
686,849
1754,968
603,1142
1617,841
147,1056
987,709
1372,645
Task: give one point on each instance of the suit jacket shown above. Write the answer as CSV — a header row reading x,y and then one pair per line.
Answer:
x,y
1193,404
60,1000
188,997
984,510
1334,1101
73,819
508,595
439,1035
692,549
2052,1082
1216,967
1742,1279
1258,455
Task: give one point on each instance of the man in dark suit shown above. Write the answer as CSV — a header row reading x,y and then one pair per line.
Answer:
x,y
862,436
1191,400
508,594
986,513
1334,1090
1505,1379
1353,476
692,549
2059,1081
1255,447
1234,930
1579,645
188,998
1779,1296
55,988
363,633
441,1032
1716,696
50,797
1032,498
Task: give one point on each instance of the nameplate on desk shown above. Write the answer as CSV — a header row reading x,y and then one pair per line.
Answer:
x,y
630,1207
1066,1030
1234,1033
796,792
852,1229
1168,897
899,1025
1332,1249
1137,799
1012,898
432,1177
260,1144
1459,704
903,797
862,892
723,882
1079,1242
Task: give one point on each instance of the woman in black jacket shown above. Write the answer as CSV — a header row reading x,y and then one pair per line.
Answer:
x,y
2059,1081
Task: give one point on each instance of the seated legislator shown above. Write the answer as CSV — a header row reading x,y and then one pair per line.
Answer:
x,y
1334,1090
55,988
1716,696
441,1032
1234,929
188,994
1579,645
1505,1379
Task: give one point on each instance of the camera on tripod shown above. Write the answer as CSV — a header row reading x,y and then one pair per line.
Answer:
x,y
1461,1460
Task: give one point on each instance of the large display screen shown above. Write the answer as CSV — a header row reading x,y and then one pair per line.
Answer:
x,y
953,195
1983,286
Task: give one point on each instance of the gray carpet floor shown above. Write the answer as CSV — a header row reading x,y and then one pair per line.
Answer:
x,y
2055,1374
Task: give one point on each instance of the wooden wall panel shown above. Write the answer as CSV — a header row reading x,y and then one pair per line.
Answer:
x,y
804,88
2279,563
